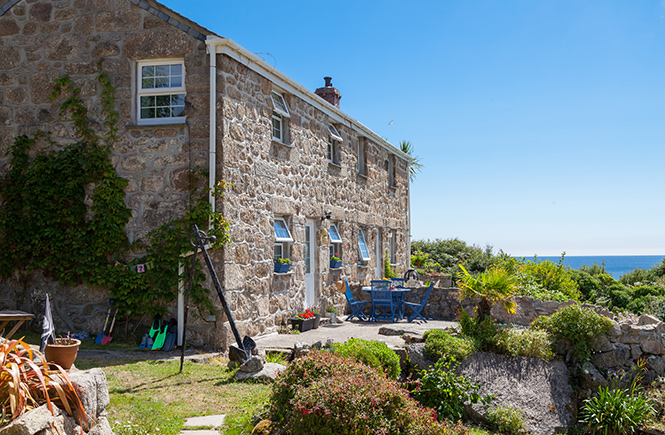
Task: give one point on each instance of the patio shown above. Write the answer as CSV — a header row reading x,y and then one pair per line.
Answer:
x,y
389,333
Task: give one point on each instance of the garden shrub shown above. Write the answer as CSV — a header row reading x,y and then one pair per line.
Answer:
x,y
439,343
524,342
326,394
371,353
443,390
580,326
618,409
505,420
481,332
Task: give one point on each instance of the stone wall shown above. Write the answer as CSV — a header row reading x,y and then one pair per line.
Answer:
x,y
294,180
42,40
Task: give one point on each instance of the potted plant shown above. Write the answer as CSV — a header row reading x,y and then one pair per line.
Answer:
x,y
331,313
335,261
62,351
282,265
303,321
316,318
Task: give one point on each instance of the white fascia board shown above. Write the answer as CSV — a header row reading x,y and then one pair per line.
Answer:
x,y
250,60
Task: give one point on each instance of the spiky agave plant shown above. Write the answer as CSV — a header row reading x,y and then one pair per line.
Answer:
x,y
26,384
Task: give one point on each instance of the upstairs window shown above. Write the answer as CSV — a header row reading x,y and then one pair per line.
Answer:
x,y
362,246
390,167
335,241
334,140
362,161
282,238
280,118
161,92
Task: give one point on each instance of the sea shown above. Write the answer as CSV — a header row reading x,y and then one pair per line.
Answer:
x,y
615,265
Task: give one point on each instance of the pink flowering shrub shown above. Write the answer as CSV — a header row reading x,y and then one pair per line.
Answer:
x,y
326,394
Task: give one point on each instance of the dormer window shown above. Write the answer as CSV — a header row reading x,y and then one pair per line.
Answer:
x,y
280,118
334,141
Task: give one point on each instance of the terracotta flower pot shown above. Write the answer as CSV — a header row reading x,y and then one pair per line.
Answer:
x,y
63,355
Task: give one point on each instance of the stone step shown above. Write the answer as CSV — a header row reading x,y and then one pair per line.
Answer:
x,y
214,421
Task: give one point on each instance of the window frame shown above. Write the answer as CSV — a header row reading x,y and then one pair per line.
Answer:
x,y
334,141
281,242
361,154
393,247
392,182
146,92
362,241
335,244
280,114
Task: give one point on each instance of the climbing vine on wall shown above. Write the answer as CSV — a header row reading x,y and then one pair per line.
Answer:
x,y
63,211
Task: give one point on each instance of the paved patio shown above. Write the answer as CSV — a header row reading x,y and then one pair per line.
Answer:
x,y
389,333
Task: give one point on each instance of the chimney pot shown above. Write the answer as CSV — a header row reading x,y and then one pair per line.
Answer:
x,y
329,92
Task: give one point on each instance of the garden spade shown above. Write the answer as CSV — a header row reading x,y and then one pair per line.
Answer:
x,y
107,338
99,337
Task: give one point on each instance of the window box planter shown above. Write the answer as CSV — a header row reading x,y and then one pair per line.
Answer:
x,y
282,267
302,325
335,264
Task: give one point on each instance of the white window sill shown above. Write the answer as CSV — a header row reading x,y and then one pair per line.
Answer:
x,y
361,175
290,272
137,126
334,165
363,265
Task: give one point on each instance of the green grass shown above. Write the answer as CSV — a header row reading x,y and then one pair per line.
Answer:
x,y
149,397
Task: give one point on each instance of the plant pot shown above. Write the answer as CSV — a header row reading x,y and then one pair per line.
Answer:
x,y
317,321
63,355
282,267
335,264
302,325
332,317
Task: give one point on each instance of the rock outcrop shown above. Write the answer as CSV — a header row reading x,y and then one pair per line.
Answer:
x,y
539,388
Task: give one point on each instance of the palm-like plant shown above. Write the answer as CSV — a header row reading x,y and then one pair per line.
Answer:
x,y
493,286
414,164
25,385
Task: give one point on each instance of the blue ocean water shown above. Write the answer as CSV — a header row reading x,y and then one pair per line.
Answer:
x,y
615,265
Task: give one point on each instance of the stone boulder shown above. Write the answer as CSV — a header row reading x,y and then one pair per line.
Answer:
x,y
539,388
268,373
416,354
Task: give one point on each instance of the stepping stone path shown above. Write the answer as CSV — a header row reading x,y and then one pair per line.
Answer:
x,y
213,421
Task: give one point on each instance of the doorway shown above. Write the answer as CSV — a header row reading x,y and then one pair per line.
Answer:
x,y
310,264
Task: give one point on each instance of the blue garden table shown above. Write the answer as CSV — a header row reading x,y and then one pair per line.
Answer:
x,y
398,299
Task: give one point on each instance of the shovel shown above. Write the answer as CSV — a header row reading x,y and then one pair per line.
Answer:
x,y
107,338
99,337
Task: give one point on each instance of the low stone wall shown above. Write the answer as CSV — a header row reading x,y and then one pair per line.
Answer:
x,y
94,394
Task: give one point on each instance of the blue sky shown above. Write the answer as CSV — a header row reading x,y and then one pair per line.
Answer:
x,y
541,124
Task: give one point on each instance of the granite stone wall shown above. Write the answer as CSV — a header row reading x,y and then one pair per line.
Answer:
x,y
44,39
294,180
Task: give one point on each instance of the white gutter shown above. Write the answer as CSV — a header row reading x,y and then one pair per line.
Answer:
x,y
250,60
212,153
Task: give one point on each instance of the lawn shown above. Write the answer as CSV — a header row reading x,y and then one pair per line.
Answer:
x,y
149,397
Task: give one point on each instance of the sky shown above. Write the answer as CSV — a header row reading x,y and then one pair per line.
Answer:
x,y
540,124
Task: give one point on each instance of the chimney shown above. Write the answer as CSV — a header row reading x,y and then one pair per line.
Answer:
x,y
329,93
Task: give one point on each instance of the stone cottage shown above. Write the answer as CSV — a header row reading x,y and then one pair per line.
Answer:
x,y
307,179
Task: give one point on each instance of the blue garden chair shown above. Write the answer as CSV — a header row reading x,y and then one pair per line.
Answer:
x,y
356,306
418,307
383,306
